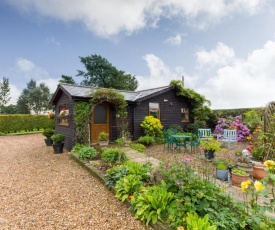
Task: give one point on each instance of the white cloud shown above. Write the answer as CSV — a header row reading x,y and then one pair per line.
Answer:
x,y
221,55
53,40
52,83
24,65
161,75
14,94
174,40
29,70
245,83
106,18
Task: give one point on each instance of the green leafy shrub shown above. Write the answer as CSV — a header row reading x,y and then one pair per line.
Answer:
x,y
147,140
139,147
193,221
114,174
142,171
78,146
87,152
151,126
127,186
152,204
113,155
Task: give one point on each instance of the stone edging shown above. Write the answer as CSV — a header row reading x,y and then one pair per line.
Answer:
x,y
96,173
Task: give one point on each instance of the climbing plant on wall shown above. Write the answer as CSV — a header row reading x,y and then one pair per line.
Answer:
x,y
118,101
82,120
83,110
199,103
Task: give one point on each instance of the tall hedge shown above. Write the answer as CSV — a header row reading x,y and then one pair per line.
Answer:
x,y
17,122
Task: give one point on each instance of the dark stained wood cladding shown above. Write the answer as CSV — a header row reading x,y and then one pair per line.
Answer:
x,y
69,130
170,114
170,111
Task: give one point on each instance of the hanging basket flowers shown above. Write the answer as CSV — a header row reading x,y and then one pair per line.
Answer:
x,y
64,113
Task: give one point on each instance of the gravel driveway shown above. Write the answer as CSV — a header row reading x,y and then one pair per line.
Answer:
x,y
42,190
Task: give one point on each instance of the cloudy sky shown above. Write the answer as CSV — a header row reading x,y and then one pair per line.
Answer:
x,y
224,49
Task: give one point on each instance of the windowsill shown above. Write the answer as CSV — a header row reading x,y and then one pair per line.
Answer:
x,y
64,124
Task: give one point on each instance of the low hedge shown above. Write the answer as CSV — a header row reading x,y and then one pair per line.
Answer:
x,y
27,122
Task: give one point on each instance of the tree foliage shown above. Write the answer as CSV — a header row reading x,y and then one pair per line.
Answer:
x,y
67,79
4,93
34,99
101,73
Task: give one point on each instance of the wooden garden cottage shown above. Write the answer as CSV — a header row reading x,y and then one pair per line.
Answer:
x,y
161,102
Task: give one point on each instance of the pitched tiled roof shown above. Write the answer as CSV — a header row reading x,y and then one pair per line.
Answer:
x,y
79,91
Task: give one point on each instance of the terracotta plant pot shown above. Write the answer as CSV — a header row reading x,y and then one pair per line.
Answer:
x,y
238,179
258,171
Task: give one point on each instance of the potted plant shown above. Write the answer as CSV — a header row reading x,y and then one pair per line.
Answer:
x,y
244,163
222,170
239,176
58,144
48,134
103,138
210,147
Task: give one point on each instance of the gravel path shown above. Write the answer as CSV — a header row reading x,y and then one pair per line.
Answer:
x,y
42,190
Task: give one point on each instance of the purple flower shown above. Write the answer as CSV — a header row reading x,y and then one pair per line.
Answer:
x,y
180,183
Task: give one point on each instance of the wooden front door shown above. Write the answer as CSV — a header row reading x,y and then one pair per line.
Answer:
x,y
100,121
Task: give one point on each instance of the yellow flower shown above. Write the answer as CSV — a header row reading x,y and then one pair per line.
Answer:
x,y
269,164
245,185
180,228
258,186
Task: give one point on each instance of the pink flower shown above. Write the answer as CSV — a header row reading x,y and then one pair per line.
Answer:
x,y
186,159
166,165
180,183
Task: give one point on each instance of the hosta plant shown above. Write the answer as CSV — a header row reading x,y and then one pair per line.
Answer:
x,y
193,221
114,174
152,204
87,152
127,186
113,155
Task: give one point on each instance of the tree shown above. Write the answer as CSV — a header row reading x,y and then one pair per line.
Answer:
x,y
9,109
4,92
34,99
67,79
101,73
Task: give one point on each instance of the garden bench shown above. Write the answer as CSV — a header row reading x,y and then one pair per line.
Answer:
x,y
229,136
204,134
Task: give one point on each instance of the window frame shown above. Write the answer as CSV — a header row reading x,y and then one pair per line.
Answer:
x,y
185,111
64,122
151,108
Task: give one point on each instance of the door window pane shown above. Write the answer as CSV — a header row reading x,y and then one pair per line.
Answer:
x,y
100,114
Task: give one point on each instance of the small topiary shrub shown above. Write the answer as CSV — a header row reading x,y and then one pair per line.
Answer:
x,y
139,147
87,152
113,155
147,140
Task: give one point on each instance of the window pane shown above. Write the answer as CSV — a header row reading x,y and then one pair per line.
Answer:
x,y
100,114
153,105
154,113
